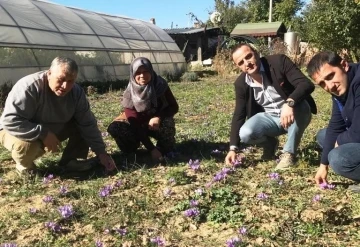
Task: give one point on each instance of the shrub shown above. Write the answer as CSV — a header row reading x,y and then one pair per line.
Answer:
x,y
189,76
223,63
4,91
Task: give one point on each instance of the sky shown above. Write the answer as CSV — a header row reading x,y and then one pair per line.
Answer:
x,y
165,12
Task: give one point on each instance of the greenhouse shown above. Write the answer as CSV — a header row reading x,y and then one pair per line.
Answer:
x,y
33,32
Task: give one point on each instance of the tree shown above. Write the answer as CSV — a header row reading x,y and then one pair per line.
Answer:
x,y
286,10
333,25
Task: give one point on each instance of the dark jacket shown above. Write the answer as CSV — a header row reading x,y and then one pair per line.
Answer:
x,y
284,76
344,125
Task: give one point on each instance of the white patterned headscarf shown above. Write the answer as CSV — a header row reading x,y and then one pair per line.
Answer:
x,y
143,97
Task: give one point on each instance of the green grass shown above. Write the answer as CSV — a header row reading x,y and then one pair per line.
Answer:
x,y
288,217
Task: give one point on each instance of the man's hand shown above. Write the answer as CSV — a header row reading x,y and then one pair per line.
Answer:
x,y
230,157
154,123
51,142
107,162
286,116
156,155
321,174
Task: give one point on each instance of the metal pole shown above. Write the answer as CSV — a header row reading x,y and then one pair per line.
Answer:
x,y
270,19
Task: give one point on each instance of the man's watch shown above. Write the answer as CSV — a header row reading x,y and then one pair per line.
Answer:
x,y
290,103
234,148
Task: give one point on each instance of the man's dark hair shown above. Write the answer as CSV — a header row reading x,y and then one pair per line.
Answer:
x,y
324,57
238,46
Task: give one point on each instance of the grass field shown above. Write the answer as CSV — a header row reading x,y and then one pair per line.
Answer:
x,y
147,204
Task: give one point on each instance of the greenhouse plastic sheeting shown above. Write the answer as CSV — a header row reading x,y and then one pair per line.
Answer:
x,y
33,32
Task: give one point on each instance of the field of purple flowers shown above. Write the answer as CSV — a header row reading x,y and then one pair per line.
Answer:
x,y
192,200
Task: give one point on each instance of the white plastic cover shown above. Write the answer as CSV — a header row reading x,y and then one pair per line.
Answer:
x,y
37,31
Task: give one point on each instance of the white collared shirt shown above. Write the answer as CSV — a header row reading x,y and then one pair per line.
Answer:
x,y
265,94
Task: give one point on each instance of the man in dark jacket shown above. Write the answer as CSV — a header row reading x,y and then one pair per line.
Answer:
x,y
341,139
274,96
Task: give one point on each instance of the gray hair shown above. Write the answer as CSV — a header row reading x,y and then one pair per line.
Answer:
x,y
70,64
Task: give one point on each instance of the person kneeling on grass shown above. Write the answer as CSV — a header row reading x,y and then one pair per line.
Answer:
x,y
149,109
340,141
46,108
274,95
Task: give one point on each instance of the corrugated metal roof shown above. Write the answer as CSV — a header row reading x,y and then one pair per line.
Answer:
x,y
259,29
190,30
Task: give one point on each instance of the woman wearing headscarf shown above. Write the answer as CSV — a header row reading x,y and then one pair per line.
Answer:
x,y
149,109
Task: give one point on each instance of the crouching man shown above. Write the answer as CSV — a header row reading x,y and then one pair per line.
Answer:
x,y
45,108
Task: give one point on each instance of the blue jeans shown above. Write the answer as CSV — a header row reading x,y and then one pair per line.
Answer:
x,y
345,159
259,127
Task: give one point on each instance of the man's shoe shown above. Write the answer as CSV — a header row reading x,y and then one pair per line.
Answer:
x,y
355,188
269,148
286,161
80,165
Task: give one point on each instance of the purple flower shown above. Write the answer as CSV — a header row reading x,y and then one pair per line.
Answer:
x,y
236,163
53,226
48,199
158,241
63,190
8,245
274,176
216,151
66,211
325,186
242,230
121,231
167,192
262,196
222,174
199,191
98,243
172,181
48,178
316,198
106,231
104,192
194,165
32,210
194,203
233,242
104,134
118,183
281,182
191,212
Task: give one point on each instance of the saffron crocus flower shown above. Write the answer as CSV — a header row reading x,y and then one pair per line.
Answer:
x,y
63,190
194,203
281,182
98,243
215,151
48,199
106,231
32,210
158,241
167,192
8,245
66,211
233,242
48,178
242,230
262,196
191,212
194,165
316,198
221,175
118,183
172,181
104,134
199,191
121,231
274,176
104,192
53,226
325,186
